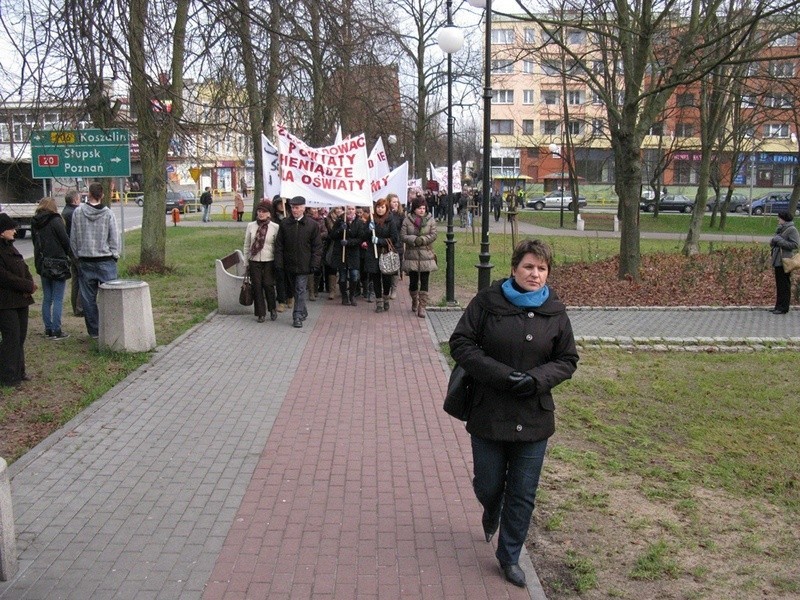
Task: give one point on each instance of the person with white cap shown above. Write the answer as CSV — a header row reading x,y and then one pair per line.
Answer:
x,y
16,295
298,251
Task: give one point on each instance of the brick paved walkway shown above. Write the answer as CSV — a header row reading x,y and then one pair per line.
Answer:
x,y
259,461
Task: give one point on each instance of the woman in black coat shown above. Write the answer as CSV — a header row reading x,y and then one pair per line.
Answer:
x,y
515,340
16,295
384,235
347,235
51,243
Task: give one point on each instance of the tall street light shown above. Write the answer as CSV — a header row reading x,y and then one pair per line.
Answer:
x,y
484,266
451,39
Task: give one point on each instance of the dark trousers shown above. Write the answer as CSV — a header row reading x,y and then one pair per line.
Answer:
x,y
418,281
783,289
262,277
505,483
75,290
14,330
381,284
283,287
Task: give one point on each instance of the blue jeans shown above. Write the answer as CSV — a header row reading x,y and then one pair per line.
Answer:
x,y
93,273
52,302
206,212
506,479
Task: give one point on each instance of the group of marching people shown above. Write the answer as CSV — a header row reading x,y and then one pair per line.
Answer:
x,y
344,253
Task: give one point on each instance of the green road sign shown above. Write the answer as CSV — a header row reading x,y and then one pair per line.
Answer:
x,y
80,153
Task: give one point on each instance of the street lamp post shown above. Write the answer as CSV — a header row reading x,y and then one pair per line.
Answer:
x,y
554,149
484,266
451,39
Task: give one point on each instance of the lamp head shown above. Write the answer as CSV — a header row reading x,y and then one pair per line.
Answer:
x,y
451,39
477,3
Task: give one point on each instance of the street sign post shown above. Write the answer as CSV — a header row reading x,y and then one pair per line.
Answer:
x,y
80,153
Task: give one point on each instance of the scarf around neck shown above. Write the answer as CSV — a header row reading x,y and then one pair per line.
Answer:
x,y
261,237
523,299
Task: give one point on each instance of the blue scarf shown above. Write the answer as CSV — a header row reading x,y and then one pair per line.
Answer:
x,y
525,299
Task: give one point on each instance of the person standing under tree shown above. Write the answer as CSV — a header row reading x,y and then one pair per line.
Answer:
x,y
206,200
782,245
94,240
73,200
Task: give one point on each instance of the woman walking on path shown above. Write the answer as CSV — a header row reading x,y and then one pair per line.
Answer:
x,y
259,256
418,234
347,236
238,205
515,340
384,236
783,244
398,214
52,261
16,295
329,249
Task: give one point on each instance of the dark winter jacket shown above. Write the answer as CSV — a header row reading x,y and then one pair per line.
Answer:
x,y
50,239
298,247
16,282
357,232
66,214
538,341
784,243
385,231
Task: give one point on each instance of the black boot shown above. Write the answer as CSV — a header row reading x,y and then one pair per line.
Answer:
x,y
343,291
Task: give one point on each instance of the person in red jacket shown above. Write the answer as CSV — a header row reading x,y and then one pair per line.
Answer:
x,y
16,295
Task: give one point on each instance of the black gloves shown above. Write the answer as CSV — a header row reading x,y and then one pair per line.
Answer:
x,y
522,384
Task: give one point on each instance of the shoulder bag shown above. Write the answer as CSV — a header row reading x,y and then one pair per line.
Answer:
x,y
791,263
461,387
389,261
56,268
246,293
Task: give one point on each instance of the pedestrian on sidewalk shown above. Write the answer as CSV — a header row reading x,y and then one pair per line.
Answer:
x,y
94,240
72,200
16,296
259,256
783,244
398,215
206,199
384,236
418,234
298,250
347,235
238,206
515,340
51,257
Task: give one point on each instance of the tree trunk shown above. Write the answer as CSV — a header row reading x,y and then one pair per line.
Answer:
x,y
627,186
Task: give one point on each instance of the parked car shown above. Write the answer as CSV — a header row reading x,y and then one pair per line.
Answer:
x,y
772,203
554,200
737,204
183,201
677,202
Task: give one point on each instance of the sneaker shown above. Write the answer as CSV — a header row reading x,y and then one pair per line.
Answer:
x,y
47,333
58,335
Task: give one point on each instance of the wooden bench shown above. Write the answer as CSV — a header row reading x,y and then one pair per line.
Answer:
x,y
230,274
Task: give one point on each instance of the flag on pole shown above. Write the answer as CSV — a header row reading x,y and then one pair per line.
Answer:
x,y
395,182
271,166
378,161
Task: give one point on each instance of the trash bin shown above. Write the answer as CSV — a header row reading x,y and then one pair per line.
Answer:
x,y
126,316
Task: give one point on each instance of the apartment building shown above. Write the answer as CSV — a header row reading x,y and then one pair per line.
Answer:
x,y
531,95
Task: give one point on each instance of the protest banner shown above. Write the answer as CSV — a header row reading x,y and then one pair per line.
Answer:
x,y
378,162
395,182
328,176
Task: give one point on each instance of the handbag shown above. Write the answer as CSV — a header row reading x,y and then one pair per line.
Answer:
x,y
389,261
791,263
56,268
246,293
461,387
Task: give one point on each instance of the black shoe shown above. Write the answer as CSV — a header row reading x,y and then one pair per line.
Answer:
x,y
297,323
515,575
490,526
273,315
779,312
48,333
58,335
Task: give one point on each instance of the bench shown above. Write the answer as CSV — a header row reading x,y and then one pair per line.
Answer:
x,y
599,221
230,274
